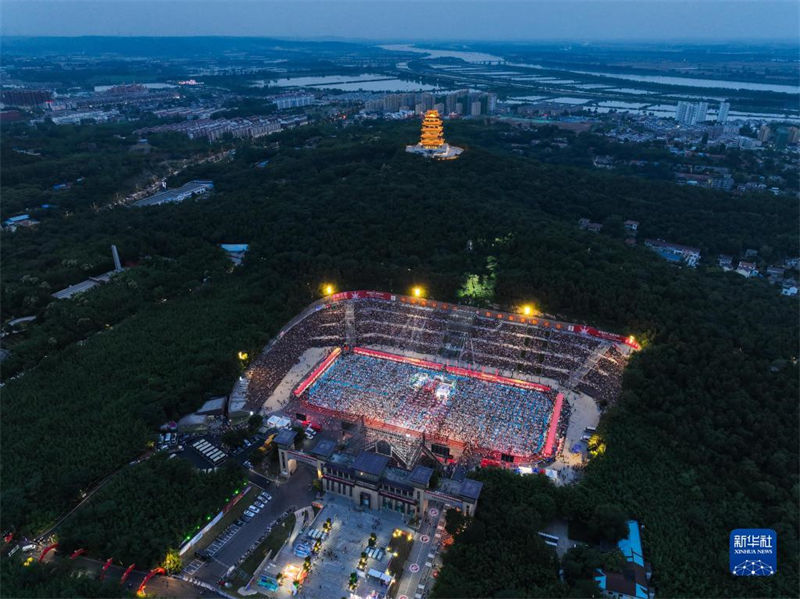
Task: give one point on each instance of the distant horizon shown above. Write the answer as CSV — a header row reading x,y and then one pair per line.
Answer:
x,y
509,21
410,41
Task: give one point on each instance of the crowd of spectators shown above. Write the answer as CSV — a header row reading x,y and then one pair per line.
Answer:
x,y
510,419
478,342
603,382
322,328
411,328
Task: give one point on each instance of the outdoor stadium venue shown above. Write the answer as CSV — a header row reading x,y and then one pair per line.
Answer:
x,y
406,377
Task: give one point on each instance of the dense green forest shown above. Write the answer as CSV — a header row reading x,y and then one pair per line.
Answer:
x,y
703,440
499,553
172,502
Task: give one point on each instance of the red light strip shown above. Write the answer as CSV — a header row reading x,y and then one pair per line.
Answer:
x,y
395,358
326,363
492,378
551,433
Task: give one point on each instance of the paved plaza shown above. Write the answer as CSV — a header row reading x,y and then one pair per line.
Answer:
x,y
341,552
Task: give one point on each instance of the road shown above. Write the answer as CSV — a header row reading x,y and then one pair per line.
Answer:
x,y
419,554
296,492
159,586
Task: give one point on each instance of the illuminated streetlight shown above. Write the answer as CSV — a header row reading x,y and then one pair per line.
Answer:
x,y
243,355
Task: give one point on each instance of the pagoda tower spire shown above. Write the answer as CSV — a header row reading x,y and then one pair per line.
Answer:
x,y
432,130
431,140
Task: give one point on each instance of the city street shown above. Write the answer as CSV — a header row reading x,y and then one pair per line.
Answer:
x,y
425,543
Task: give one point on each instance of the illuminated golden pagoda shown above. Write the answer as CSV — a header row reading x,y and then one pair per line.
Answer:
x,y
431,141
432,130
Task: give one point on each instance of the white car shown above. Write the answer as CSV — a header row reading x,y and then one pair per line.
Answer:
x,y
259,504
248,513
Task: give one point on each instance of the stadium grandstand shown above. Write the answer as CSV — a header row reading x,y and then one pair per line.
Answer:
x,y
405,376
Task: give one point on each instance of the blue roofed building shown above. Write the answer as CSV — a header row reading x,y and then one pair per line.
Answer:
x,y
633,581
673,252
21,220
235,251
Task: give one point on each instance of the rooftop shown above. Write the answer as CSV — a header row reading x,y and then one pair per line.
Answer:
x,y
176,195
285,437
370,463
234,247
399,476
324,448
632,580
471,489
216,405
631,546
421,475
672,246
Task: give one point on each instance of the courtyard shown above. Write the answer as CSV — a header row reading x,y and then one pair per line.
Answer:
x,y
340,551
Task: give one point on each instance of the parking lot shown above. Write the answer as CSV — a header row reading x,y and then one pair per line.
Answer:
x,y
294,493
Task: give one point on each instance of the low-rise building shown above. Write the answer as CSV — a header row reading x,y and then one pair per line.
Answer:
x,y
633,580
775,272
586,225
368,480
674,252
183,192
235,251
21,220
746,269
725,262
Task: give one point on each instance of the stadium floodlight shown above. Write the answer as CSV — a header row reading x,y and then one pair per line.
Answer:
x,y
243,355
417,291
328,289
527,309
